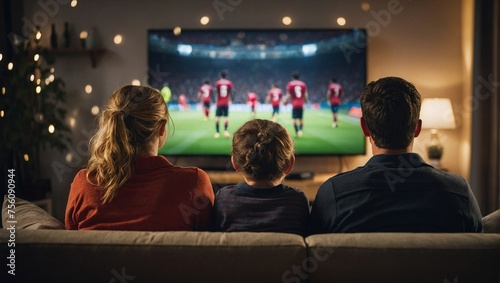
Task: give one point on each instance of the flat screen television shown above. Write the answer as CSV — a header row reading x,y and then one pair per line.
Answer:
x,y
254,59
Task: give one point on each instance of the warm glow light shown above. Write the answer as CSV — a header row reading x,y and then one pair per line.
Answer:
x,y
118,39
437,113
51,78
36,57
74,3
95,110
32,77
39,117
38,89
52,129
204,20
52,70
47,81
3,90
88,89
341,21
84,34
38,35
136,82
26,157
69,157
2,113
38,81
72,122
1,56
365,6
286,21
10,66
177,30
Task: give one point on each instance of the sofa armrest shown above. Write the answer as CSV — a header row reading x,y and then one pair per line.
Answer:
x,y
491,222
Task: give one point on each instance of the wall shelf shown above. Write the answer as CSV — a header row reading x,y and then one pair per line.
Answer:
x,y
95,54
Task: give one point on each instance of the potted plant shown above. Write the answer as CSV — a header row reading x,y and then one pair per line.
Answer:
x,y
32,115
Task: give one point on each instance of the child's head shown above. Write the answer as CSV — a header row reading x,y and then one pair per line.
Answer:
x,y
262,150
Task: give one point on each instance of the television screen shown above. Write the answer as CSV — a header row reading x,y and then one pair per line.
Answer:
x,y
254,60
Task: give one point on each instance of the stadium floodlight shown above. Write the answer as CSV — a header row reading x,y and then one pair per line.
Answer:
x,y
184,49
309,49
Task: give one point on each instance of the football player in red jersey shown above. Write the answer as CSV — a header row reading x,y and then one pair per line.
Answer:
x,y
274,97
224,88
182,102
205,94
296,91
333,96
252,101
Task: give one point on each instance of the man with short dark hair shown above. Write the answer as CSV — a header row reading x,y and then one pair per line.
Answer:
x,y
396,191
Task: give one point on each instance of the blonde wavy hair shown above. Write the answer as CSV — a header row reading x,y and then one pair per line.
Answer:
x,y
128,125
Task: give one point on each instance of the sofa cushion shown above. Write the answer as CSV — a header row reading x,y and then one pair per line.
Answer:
x,y
491,222
107,256
27,215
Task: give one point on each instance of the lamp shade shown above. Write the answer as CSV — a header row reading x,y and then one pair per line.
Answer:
x,y
437,113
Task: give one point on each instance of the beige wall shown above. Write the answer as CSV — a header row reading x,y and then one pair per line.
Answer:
x,y
427,42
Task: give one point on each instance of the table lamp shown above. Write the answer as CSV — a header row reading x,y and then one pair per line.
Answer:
x,y
436,114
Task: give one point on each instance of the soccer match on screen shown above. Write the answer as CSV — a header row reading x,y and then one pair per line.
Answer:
x,y
309,81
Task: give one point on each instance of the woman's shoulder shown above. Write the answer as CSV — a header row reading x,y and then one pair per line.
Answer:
x,y
81,185
186,173
81,176
162,163
189,170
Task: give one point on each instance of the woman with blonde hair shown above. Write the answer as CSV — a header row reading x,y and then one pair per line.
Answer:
x,y
126,185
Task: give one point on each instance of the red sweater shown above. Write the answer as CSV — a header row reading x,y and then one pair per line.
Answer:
x,y
158,197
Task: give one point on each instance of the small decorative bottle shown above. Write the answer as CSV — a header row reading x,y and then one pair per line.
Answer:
x,y
66,36
53,37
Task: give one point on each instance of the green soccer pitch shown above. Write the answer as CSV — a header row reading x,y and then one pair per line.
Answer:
x,y
192,136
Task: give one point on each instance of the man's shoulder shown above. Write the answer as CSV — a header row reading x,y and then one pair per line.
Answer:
x,y
347,176
349,173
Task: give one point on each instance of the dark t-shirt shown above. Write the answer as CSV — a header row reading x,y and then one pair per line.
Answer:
x,y
395,193
245,208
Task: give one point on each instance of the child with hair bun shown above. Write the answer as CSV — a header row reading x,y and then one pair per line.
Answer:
x,y
262,152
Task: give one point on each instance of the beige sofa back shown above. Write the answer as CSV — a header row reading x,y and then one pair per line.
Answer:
x,y
405,257
105,256
116,256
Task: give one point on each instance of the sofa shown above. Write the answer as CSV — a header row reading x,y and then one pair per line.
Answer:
x,y
43,252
